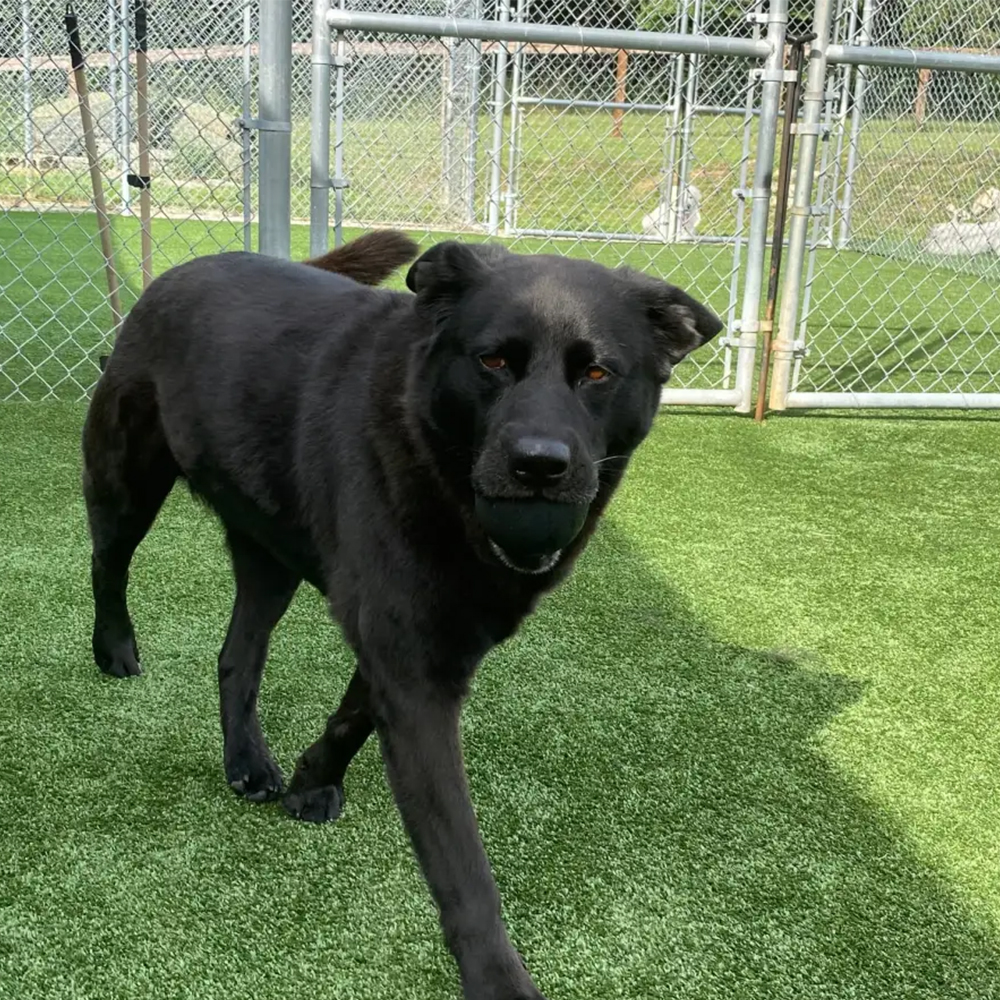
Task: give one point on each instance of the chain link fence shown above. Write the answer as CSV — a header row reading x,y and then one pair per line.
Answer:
x,y
621,154
909,196
55,317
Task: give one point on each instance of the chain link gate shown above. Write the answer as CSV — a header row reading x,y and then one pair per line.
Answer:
x,y
547,168
899,304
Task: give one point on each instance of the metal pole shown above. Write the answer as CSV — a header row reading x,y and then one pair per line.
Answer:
x,y
319,180
767,128
115,125
244,129
741,211
860,85
503,30
339,181
499,108
846,76
472,137
29,130
275,108
142,180
809,132
125,102
674,171
690,105
510,202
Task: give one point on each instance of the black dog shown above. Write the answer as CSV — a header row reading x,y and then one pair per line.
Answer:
x,y
432,463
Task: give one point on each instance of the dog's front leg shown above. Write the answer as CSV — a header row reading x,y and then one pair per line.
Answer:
x,y
419,734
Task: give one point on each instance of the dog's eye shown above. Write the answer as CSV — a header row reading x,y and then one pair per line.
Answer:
x,y
492,361
595,373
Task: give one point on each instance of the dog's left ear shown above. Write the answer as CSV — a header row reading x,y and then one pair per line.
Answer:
x,y
680,323
450,268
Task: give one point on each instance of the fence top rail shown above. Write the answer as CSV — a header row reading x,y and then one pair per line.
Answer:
x,y
940,59
513,31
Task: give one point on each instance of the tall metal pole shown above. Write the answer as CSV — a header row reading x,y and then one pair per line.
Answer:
x,y
245,130
681,201
319,182
772,78
860,85
339,182
513,143
142,179
124,104
809,133
499,108
28,105
275,108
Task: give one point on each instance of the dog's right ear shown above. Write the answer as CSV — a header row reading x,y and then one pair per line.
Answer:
x,y
449,269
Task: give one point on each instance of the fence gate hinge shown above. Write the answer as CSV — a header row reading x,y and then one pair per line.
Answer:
x,y
774,76
263,125
797,348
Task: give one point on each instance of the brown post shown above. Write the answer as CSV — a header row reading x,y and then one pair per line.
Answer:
x,y
621,69
93,160
923,86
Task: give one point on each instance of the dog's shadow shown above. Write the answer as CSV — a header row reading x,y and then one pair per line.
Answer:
x,y
635,775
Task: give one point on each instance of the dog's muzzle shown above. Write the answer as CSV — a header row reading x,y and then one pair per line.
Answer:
x,y
529,535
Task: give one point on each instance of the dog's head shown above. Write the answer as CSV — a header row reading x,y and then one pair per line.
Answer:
x,y
541,376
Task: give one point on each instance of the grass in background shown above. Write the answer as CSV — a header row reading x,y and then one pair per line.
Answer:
x,y
875,323
749,750
572,173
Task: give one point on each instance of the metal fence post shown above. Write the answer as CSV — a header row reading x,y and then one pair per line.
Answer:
x,y
499,109
275,109
809,132
319,195
860,83
339,182
247,173
28,104
767,130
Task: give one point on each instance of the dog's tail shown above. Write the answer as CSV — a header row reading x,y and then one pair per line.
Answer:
x,y
371,258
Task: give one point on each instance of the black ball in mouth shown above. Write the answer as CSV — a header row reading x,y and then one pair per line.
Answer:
x,y
528,531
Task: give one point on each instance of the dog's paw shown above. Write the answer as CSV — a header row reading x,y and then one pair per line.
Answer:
x,y
254,775
315,805
120,659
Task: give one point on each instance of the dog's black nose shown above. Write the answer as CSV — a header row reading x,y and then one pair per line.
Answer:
x,y
539,462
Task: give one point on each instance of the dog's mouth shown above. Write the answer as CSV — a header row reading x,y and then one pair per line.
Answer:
x,y
529,536
531,565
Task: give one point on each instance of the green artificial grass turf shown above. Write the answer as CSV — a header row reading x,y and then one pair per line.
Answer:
x,y
749,750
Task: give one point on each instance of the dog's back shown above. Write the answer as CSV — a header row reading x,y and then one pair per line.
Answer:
x,y
208,375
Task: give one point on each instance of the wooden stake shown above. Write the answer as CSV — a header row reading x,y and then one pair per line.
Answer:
x,y
96,178
621,69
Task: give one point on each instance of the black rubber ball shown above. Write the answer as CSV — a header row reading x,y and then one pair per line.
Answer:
x,y
530,527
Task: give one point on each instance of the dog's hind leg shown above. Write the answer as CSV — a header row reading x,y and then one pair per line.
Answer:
x,y
316,791
264,589
128,471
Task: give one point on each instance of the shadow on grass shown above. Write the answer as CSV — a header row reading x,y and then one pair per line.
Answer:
x,y
676,784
